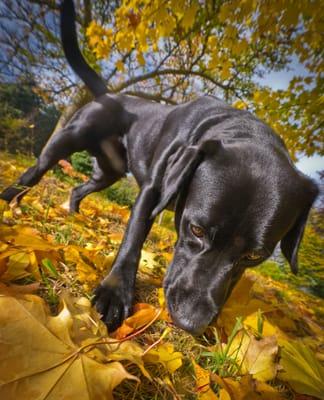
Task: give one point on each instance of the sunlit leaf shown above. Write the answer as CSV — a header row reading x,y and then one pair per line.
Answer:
x,y
164,353
40,360
301,369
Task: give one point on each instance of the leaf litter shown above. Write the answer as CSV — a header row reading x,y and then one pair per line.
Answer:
x,y
264,345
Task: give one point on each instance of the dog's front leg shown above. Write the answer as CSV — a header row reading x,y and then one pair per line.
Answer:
x,y
114,296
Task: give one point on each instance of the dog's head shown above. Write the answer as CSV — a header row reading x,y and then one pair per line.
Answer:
x,y
235,202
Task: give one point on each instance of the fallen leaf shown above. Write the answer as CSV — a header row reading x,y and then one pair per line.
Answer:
x,y
268,329
246,388
240,303
86,273
19,289
38,361
143,314
256,357
203,388
26,237
301,369
16,266
164,354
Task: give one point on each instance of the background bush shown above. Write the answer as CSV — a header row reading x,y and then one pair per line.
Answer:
x,y
123,192
82,162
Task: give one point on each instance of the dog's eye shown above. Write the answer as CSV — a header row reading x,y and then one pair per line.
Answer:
x,y
252,256
197,231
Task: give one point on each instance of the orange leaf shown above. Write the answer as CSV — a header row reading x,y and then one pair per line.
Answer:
x,y
143,314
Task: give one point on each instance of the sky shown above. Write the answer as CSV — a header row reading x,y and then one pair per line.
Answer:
x,y
280,80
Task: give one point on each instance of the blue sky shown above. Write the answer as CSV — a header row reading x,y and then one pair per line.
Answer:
x,y
280,80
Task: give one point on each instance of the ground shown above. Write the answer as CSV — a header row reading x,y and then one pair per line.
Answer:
x,y
265,345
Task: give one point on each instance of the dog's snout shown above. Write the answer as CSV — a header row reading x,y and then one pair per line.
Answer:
x,y
191,316
189,326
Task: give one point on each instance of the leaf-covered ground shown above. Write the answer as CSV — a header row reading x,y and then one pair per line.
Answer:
x,y
266,345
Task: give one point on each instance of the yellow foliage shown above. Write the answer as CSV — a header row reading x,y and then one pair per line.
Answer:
x,y
229,39
256,357
165,355
203,388
301,369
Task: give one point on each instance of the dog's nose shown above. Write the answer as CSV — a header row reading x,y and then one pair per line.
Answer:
x,y
189,326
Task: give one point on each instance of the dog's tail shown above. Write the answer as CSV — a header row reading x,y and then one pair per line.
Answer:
x,y
73,54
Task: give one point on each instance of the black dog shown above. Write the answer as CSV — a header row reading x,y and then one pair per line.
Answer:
x,y
235,189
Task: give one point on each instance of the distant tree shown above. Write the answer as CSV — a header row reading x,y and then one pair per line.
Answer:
x,y
26,121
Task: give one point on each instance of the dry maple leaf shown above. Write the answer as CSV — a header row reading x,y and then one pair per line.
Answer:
x,y
40,357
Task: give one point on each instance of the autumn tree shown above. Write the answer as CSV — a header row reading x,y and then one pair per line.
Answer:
x,y
175,50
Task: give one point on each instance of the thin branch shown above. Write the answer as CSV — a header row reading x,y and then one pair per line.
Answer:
x,y
150,96
169,71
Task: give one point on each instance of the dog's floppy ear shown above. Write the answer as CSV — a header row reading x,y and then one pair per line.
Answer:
x,y
291,241
180,167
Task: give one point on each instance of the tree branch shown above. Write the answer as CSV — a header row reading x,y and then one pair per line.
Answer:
x,y
169,71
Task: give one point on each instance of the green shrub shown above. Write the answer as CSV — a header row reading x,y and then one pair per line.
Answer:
x,y
81,162
123,192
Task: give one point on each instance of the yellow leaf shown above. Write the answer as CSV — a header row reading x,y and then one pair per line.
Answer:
x,y
203,388
178,7
161,297
86,273
225,71
189,16
301,369
34,269
120,66
240,303
246,388
36,362
256,357
223,395
140,58
241,105
17,267
26,237
7,215
147,259
165,355
268,329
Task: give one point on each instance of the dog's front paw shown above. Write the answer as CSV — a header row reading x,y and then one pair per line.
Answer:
x,y
12,192
113,300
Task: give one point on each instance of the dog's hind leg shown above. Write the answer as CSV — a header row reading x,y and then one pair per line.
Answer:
x,y
59,146
102,177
